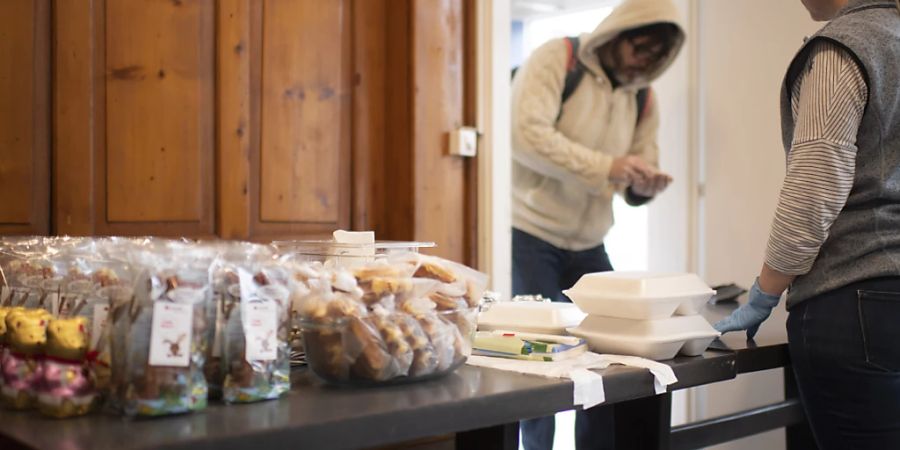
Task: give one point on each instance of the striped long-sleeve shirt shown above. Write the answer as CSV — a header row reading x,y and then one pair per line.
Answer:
x,y
828,101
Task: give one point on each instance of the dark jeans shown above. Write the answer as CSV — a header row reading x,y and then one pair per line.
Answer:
x,y
540,268
845,349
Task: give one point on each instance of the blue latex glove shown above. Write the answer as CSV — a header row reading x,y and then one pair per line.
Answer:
x,y
750,315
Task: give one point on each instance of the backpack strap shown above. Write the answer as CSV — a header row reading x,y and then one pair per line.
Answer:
x,y
574,68
574,71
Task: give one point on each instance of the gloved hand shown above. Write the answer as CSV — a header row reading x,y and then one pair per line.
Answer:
x,y
750,315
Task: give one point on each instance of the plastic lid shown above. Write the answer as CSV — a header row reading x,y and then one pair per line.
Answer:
x,y
638,285
524,316
330,247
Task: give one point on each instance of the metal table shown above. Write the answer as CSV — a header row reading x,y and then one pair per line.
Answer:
x,y
482,405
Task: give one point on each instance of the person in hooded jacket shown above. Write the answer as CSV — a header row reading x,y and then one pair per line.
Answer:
x,y
572,154
835,239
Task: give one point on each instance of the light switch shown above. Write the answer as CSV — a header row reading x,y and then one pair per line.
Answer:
x,y
464,142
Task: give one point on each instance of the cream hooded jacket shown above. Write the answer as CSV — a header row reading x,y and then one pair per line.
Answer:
x,y
561,188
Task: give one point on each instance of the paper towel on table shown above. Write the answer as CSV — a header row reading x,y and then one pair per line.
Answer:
x,y
361,249
588,386
662,374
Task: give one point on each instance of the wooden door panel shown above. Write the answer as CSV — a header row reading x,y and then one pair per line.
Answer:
x,y
437,109
134,112
24,116
159,110
301,174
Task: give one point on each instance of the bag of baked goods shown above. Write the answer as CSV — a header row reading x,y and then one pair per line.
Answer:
x,y
459,286
224,278
389,324
165,331
340,344
36,270
114,337
111,283
256,337
13,253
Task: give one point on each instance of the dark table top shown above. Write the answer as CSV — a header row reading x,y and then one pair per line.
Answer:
x,y
314,415
767,350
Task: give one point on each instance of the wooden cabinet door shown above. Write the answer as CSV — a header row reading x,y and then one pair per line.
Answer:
x,y
300,75
135,113
24,116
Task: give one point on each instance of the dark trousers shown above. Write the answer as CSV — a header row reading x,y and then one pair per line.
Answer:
x,y
540,268
845,350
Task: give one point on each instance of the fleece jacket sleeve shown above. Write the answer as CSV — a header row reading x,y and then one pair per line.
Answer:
x,y
536,100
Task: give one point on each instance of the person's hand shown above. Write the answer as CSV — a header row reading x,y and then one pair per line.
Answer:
x,y
652,186
750,315
630,169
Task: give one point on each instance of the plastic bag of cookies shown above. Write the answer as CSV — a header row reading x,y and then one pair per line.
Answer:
x,y
164,331
256,336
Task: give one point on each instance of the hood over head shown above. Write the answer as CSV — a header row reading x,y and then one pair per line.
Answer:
x,y
628,15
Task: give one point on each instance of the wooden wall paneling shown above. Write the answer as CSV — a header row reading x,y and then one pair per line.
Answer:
x,y
438,74
77,78
24,116
301,173
234,125
158,154
369,121
397,175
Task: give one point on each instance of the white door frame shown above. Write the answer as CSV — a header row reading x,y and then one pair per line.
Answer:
x,y
494,155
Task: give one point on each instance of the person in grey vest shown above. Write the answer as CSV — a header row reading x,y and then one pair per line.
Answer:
x,y
835,239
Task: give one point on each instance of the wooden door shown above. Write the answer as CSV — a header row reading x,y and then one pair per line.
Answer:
x,y
429,193
24,116
135,117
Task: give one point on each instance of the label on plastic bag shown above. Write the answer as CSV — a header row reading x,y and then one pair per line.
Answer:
x,y
101,312
170,335
260,329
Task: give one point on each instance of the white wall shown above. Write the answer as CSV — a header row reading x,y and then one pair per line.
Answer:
x,y
495,159
668,216
744,49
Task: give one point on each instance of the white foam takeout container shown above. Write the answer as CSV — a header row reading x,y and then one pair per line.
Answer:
x,y
657,339
640,295
531,317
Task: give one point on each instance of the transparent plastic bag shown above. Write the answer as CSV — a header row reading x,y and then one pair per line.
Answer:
x,y
166,331
256,338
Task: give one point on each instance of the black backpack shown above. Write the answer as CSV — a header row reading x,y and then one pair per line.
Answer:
x,y
575,72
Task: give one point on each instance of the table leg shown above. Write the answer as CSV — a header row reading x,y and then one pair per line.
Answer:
x,y
644,423
501,437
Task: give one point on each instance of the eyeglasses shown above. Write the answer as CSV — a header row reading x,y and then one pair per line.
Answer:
x,y
650,50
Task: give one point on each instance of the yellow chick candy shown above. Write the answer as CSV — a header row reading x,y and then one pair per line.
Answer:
x,y
27,330
4,310
67,338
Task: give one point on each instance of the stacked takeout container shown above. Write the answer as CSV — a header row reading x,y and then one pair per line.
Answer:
x,y
652,315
